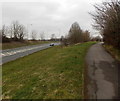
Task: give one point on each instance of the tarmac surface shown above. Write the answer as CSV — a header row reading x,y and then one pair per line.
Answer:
x,y
103,74
15,53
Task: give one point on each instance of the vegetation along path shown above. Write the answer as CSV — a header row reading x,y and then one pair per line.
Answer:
x,y
102,74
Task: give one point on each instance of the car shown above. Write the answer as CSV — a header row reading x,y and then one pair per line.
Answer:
x,y
52,44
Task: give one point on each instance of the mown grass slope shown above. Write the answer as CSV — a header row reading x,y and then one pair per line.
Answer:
x,y
55,73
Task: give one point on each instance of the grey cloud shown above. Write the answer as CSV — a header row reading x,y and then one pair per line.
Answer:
x,y
50,16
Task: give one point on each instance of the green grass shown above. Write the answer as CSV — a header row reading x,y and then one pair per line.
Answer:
x,y
54,73
20,44
113,51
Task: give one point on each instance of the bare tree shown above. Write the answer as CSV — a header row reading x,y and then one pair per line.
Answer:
x,y
53,37
86,36
11,31
17,31
22,32
34,35
107,20
15,26
62,38
4,34
75,34
42,36
4,31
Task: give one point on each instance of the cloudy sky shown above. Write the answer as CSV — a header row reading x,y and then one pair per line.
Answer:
x,y
49,16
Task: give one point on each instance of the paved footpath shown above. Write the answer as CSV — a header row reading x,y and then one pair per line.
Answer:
x,y
103,74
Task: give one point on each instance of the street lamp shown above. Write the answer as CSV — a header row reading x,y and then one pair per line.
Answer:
x,y
28,30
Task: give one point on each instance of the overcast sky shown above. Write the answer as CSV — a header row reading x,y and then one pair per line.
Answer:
x,y
50,16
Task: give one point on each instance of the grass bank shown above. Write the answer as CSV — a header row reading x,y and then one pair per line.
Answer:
x,y
113,51
54,73
20,44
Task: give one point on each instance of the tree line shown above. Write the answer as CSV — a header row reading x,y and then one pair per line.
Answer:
x,y
76,35
14,32
107,21
18,32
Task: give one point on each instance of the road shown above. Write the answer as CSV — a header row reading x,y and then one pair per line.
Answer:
x,y
12,54
102,74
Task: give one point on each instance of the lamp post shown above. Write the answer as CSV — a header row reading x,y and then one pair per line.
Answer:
x,y
28,30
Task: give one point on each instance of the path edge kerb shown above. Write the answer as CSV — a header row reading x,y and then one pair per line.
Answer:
x,y
86,77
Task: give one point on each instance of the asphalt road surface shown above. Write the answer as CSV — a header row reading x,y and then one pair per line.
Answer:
x,y
103,74
12,54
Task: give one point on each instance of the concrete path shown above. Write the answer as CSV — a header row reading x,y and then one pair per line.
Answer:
x,y
102,74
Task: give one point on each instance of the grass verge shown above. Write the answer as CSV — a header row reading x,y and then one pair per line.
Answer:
x,y
113,51
20,44
54,73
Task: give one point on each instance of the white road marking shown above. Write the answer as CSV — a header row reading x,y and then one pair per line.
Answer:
x,y
19,51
